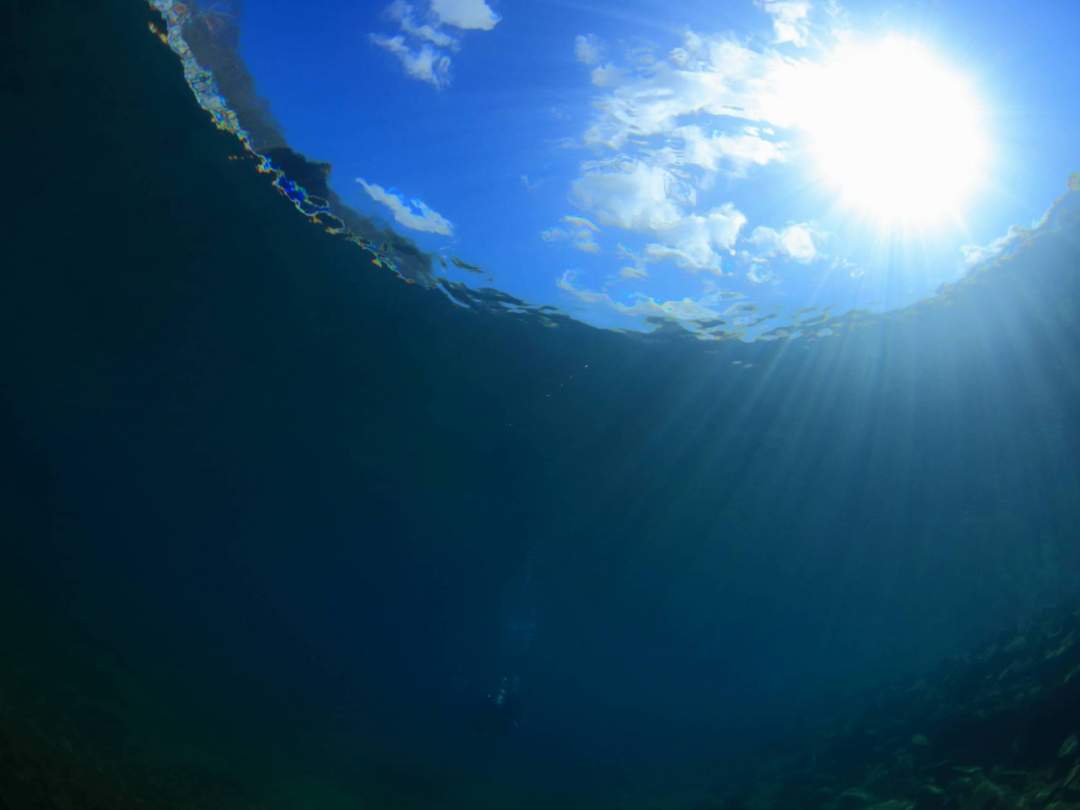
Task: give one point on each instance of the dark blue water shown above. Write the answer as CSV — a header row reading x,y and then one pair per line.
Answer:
x,y
292,531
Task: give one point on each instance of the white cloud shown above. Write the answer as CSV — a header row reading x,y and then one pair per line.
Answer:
x,y
587,49
791,19
693,243
720,78
739,151
666,128
648,198
578,231
402,13
468,14
605,75
631,194
422,48
580,222
759,273
415,214
795,242
636,269
424,63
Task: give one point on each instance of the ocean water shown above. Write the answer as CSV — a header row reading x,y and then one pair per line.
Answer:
x,y
283,531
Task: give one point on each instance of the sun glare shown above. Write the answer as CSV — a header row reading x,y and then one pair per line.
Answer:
x,y
897,134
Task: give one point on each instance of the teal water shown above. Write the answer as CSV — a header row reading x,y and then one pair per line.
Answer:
x,y
284,531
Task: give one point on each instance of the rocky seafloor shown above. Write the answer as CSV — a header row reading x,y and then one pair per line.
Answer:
x,y
994,729
998,728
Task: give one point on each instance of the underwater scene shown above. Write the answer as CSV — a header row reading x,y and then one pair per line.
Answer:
x,y
480,404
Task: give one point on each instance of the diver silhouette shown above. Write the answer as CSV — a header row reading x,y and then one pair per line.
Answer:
x,y
502,711
503,706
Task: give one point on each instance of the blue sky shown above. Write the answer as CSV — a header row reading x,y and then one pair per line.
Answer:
x,y
622,160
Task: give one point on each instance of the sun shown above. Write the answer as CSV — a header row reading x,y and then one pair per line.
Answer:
x,y
898,135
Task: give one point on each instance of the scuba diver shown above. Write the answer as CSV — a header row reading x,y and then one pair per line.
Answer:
x,y
503,706
502,711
